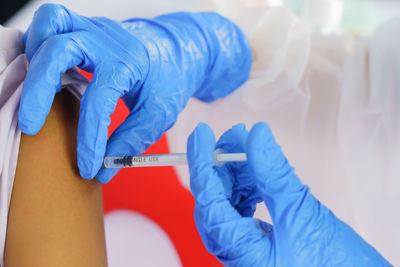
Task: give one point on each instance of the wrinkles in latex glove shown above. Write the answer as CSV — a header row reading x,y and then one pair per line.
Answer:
x,y
304,232
154,65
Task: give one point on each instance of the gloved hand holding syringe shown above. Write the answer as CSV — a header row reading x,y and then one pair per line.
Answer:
x,y
172,159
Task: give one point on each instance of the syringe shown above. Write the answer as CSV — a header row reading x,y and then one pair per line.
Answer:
x,y
166,160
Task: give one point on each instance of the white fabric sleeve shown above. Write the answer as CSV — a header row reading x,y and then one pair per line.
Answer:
x,y
13,68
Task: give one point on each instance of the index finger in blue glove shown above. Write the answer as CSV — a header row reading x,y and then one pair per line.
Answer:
x,y
49,20
282,191
223,230
109,83
205,184
243,197
54,19
43,79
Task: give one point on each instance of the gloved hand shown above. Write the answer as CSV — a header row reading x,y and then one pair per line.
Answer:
x,y
154,65
304,232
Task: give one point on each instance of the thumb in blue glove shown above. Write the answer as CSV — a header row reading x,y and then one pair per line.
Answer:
x,y
154,65
304,232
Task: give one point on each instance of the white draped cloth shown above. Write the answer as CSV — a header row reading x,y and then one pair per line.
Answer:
x,y
13,68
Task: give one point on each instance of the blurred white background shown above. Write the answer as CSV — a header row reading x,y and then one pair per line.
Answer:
x,y
357,15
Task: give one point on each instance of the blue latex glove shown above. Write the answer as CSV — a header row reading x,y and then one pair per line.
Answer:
x,y
154,65
304,232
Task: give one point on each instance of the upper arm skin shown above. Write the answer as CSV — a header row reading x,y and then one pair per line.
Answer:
x,y
55,217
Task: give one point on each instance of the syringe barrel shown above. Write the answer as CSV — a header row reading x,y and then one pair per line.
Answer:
x,y
145,160
165,160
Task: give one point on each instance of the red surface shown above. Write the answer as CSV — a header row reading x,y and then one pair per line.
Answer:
x,y
157,194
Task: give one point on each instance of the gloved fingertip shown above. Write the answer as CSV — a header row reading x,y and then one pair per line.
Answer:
x,y
239,132
201,132
239,127
88,163
234,140
28,127
105,175
28,130
202,126
201,145
259,138
85,174
262,151
200,149
261,130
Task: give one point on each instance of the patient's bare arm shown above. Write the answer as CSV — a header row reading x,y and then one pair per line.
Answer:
x,y
56,217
